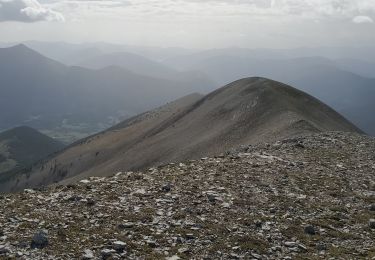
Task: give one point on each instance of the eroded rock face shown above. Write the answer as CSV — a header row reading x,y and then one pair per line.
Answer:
x,y
307,197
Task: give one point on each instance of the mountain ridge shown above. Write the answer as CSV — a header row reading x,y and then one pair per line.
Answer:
x,y
247,111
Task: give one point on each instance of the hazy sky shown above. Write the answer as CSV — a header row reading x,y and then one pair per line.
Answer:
x,y
192,23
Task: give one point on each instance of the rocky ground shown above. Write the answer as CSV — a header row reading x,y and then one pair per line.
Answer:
x,y
306,198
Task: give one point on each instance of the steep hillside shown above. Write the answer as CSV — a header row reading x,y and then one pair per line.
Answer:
x,y
247,111
23,146
302,198
46,95
348,93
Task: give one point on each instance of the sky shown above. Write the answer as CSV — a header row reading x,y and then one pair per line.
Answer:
x,y
192,23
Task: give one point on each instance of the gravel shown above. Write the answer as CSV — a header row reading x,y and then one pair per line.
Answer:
x,y
304,198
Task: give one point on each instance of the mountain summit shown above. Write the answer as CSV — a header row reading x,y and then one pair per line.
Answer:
x,y
247,111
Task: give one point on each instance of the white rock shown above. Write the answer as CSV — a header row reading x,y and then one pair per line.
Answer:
x,y
175,257
88,254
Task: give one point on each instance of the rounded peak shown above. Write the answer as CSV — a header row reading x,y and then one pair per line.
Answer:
x,y
251,80
19,47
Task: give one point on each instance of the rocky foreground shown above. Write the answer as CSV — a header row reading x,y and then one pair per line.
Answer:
x,y
306,198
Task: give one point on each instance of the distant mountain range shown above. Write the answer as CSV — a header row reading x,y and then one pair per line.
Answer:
x,y
144,66
341,77
20,147
46,94
247,111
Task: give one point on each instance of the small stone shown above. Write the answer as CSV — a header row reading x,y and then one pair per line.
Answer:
x,y
119,246
258,224
4,250
372,207
225,205
88,254
183,250
106,253
74,198
211,198
321,246
151,243
190,236
40,239
290,244
90,202
299,145
175,257
310,230
126,225
167,188
371,223
303,247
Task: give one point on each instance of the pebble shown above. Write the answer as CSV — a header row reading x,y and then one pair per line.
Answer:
x,y
175,257
183,250
167,187
40,239
119,246
107,253
88,254
310,230
372,223
4,250
290,244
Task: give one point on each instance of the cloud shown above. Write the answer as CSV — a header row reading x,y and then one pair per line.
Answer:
x,y
362,19
27,11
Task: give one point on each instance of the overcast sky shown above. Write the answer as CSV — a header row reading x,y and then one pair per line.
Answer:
x,y
192,23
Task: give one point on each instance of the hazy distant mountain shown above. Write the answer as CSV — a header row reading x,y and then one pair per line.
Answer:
x,y
365,54
46,94
140,65
70,53
66,53
23,146
247,111
360,67
348,93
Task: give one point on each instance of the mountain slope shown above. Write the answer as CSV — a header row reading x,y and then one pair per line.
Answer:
x,y
45,94
348,93
246,111
23,146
